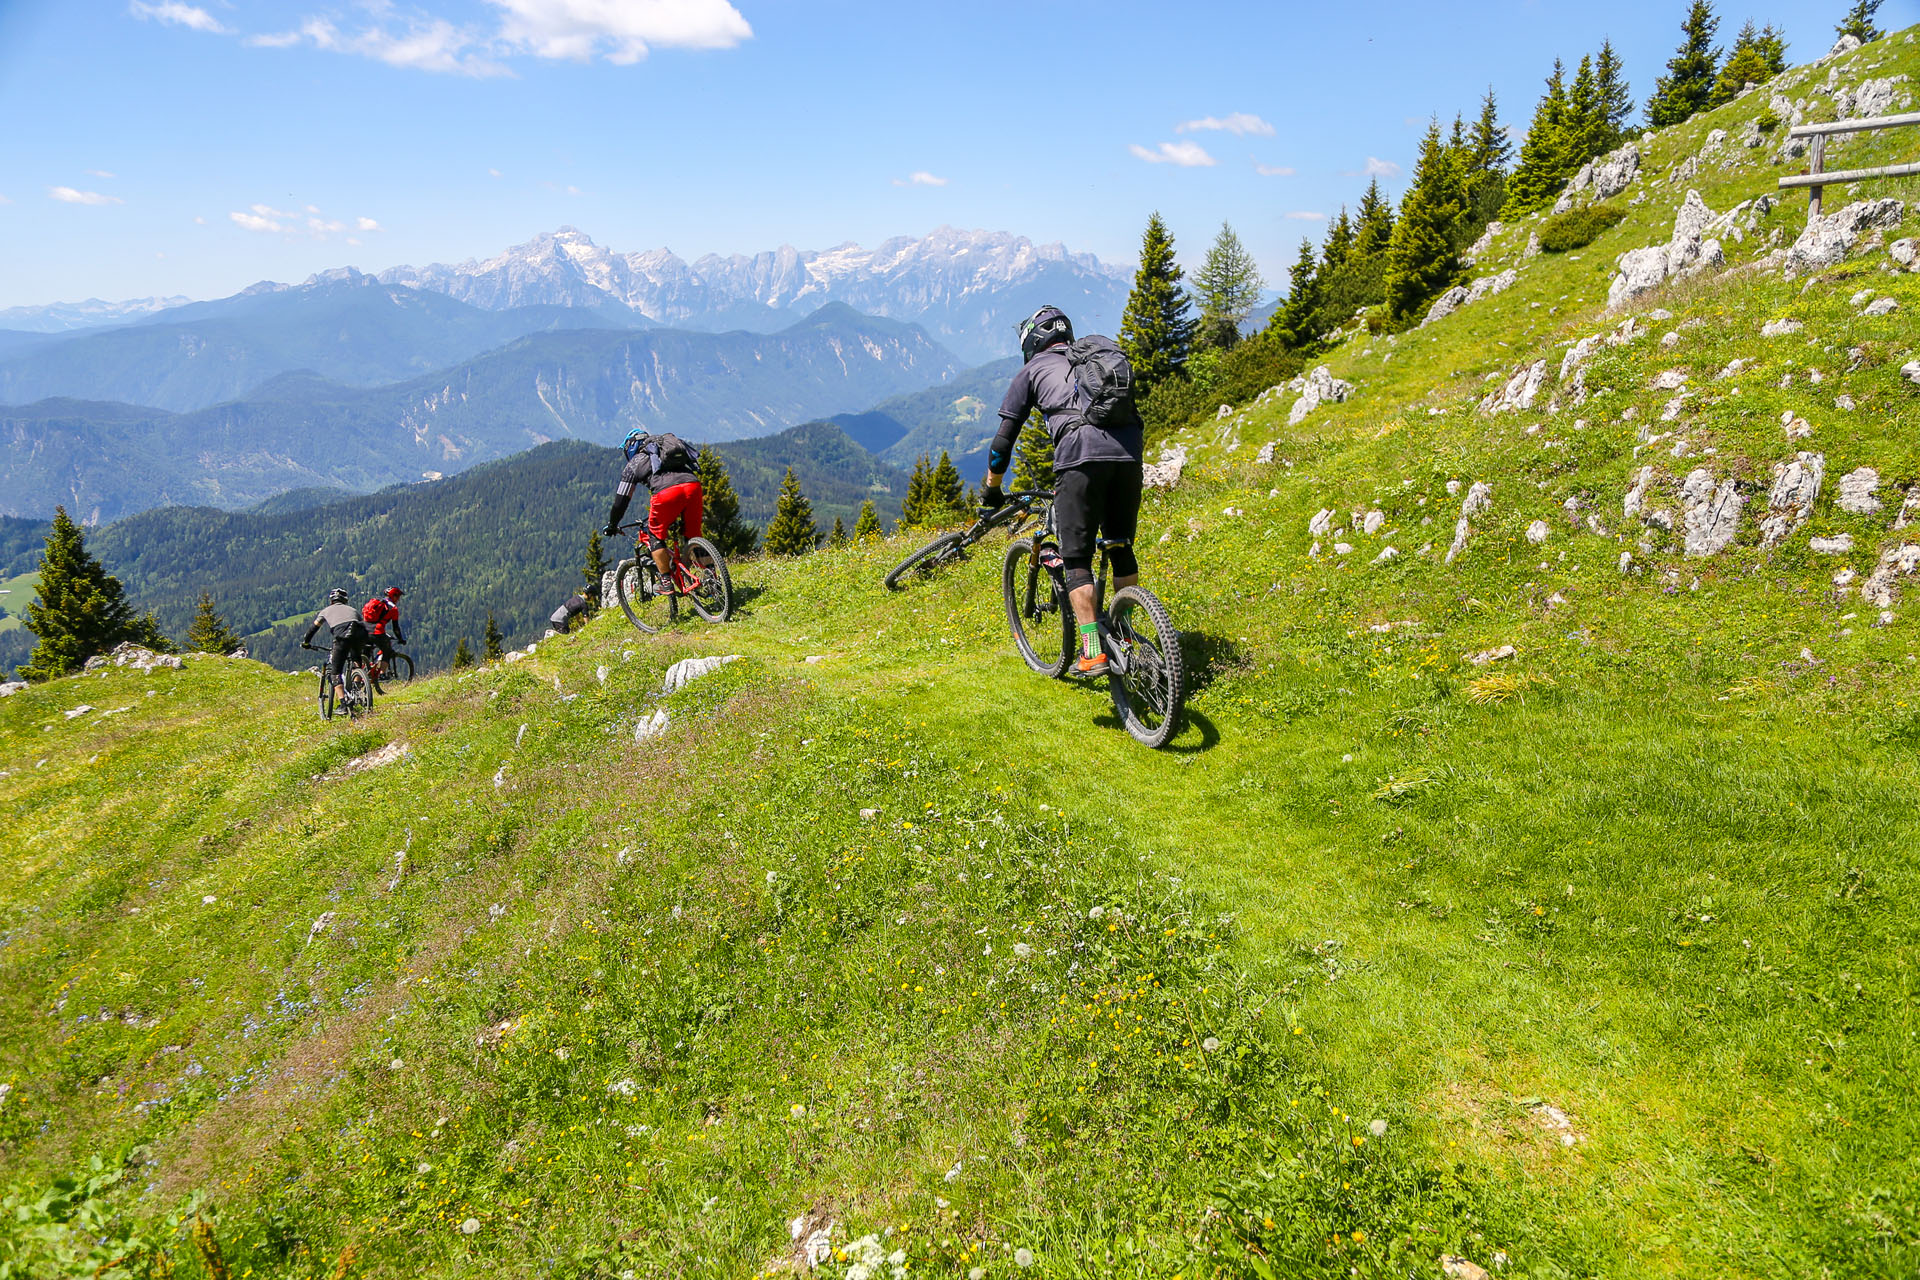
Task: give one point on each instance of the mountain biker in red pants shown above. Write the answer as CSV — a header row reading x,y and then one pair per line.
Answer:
x,y
1097,444
665,465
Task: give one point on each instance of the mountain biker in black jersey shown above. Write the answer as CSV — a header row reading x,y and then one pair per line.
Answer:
x,y
578,605
1096,465
349,633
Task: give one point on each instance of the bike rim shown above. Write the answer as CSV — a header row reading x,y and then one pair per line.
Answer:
x,y
1145,678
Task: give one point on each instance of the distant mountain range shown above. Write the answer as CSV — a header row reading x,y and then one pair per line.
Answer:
x,y
57,317
299,430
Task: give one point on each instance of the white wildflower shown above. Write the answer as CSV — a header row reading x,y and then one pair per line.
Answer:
x,y
1378,1128
470,1226
797,1110
562,1053
496,911
771,876
425,1167
396,1064
953,1173
1211,1044
1023,1257
209,900
1096,913
1022,950
623,1088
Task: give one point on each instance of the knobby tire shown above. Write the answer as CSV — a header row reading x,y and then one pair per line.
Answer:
x,y
945,548
712,599
1037,613
1150,697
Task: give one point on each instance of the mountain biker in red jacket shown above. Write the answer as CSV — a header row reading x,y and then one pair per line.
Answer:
x,y
665,465
381,612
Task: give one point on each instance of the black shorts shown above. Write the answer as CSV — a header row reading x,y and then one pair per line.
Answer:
x,y
1096,499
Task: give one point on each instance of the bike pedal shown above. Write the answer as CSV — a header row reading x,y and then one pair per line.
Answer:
x,y
1050,559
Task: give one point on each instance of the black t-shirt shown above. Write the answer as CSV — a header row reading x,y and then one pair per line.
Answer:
x,y
1046,382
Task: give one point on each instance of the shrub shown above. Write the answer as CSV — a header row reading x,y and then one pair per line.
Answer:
x,y
1578,228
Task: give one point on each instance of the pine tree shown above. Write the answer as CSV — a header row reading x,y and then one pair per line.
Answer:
x,y
1751,61
1688,85
462,656
720,509
866,528
791,532
595,569
209,632
838,536
80,610
1859,22
495,648
1773,43
1293,322
1586,120
913,509
1156,330
1033,455
1536,181
1423,260
946,492
1489,151
1229,286
1373,228
1616,96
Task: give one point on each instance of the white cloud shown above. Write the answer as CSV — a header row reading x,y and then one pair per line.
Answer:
x,y
177,14
425,44
253,222
1240,124
1272,170
365,224
1375,167
67,195
98,173
623,29
921,178
199,222
1306,215
1187,155
278,40
493,173
268,211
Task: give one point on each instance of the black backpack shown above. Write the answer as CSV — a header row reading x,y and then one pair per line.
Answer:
x,y
1103,377
669,453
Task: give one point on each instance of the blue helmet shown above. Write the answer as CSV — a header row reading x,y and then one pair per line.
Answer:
x,y
634,440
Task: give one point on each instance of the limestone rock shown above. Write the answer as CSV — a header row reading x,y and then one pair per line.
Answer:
x,y
1266,452
1388,554
1796,486
129,654
1537,532
1165,474
1322,523
1838,545
1446,304
1636,499
1670,380
1638,271
651,727
1500,654
1480,247
1520,390
1903,252
1841,47
1870,98
1856,491
1370,525
1827,240
1881,307
1882,587
1343,549
1911,371
1479,498
1318,387
1781,328
687,670
1578,354
1711,513
1454,1267
1459,540
1615,172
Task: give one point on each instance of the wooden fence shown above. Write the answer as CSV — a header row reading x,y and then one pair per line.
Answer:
x,y
1817,176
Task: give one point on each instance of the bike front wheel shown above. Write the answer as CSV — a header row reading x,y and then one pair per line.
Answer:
x,y
1148,680
633,585
944,549
1036,610
326,696
710,586
400,670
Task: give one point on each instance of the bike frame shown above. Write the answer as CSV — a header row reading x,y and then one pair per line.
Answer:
x,y
685,579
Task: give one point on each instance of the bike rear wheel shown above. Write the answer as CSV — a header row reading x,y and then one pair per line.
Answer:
x,y
632,583
944,549
326,696
1148,683
1036,610
712,587
359,687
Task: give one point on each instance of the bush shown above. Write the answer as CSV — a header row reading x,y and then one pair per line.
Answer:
x,y
1578,228
1233,377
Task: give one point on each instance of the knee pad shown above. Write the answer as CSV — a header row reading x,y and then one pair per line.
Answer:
x,y
1079,573
1120,556
654,541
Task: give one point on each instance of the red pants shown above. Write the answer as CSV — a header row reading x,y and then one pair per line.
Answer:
x,y
682,502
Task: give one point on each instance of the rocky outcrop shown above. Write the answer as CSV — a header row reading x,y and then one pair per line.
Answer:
x,y
1881,588
687,670
1520,390
1322,523
1780,328
140,658
1316,388
1711,512
1479,498
1827,240
1688,251
1856,491
1796,485
1608,176
1868,98
1466,295
1165,474
1479,248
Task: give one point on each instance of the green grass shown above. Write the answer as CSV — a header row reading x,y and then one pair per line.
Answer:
x,y
1613,936
13,607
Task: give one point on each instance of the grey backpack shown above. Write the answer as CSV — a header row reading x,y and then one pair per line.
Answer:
x,y
1103,377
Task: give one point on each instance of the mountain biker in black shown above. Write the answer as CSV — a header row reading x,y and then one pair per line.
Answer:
x,y
665,465
349,634
1096,466
578,604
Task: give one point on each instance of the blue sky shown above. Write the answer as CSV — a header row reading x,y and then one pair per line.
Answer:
x,y
195,146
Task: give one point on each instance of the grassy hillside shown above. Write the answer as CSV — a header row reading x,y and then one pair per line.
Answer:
x,y
1591,960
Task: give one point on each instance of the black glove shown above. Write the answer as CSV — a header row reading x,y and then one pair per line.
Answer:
x,y
991,498
611,531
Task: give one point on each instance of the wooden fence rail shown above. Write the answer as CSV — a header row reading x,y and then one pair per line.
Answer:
x,y
1817,177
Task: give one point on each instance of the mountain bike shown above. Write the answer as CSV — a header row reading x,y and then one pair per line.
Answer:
x,y
698,574
949,547
1145,676
400,671
357,697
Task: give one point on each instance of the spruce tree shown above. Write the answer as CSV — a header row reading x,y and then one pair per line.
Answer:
x,y
462,656
1536,181
1229,286
791,531
1616,96
1033,455
209,632
1751,61
595,569
1585,129
866,528
495,648
1859,22
1373,228
913,510
1773,43
1156,330
946,491
1293,322
1423,259
838,536
1687,87
80,610
1489,151
720,519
